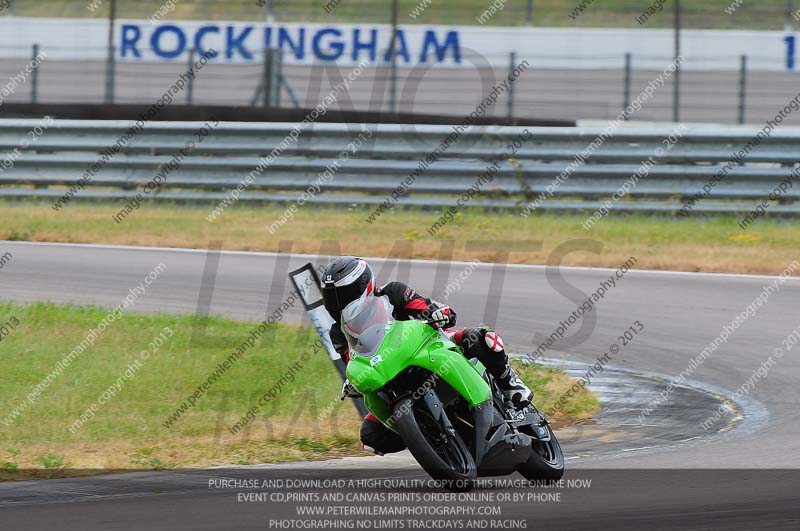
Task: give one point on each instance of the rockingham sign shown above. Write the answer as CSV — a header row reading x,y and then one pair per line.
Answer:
x,y
236,42
301,42
350,44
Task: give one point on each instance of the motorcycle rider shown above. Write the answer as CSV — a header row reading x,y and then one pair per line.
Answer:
x,y
347,279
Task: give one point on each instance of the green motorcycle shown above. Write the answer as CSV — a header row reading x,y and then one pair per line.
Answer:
x,y
448,409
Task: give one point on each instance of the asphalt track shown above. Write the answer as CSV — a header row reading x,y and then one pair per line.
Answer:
x,y
686,485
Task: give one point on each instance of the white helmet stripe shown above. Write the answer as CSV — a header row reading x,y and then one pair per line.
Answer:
x,y
353,275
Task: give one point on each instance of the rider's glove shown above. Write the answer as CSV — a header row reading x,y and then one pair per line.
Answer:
x,y
442,316
348,391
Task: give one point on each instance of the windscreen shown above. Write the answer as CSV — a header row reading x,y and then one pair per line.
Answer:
x,y
364,323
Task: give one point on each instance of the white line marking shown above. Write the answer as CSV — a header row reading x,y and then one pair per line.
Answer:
x,y
641,272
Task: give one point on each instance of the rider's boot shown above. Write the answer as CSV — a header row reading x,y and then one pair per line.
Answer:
x,y
514,389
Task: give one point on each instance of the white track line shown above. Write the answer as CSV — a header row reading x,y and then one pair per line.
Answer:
x,y
538,267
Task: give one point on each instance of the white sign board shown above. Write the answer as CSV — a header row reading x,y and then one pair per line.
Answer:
x,y
243,42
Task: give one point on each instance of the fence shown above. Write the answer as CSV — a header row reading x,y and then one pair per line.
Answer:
x,y
544,93
593,86
230,152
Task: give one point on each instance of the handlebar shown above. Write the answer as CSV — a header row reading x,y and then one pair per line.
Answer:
x,y
433,322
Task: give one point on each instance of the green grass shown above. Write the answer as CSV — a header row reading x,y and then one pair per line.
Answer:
x,y
51,461
714,244
128,430
764,14
131,422
48,332
550,384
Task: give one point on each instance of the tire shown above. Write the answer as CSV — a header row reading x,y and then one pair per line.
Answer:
x,y
455,469
546,460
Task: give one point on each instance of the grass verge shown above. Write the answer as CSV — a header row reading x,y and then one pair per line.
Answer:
x,y
713,244
303,420
765,14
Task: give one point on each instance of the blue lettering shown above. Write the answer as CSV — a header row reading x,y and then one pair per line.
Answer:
x,y
327,44
336,46
129,41
198,37
790,41
155,41
451,40
370,45
299,48
237,43
402,48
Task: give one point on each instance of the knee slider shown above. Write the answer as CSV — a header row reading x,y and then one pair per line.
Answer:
x,y
379,438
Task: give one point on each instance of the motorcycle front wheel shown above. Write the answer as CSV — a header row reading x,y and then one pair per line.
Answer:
x,y
445,457
546,460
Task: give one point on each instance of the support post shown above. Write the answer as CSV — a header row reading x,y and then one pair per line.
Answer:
x,y
742,88
110,66
393,56
676,88
626,90
512,64
190,83
272,77
35,75
277,73
267,74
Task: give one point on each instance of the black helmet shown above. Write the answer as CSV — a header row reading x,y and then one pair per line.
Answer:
x,y
344,280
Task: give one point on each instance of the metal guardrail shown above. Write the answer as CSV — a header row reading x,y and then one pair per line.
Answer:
x,y
59,157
